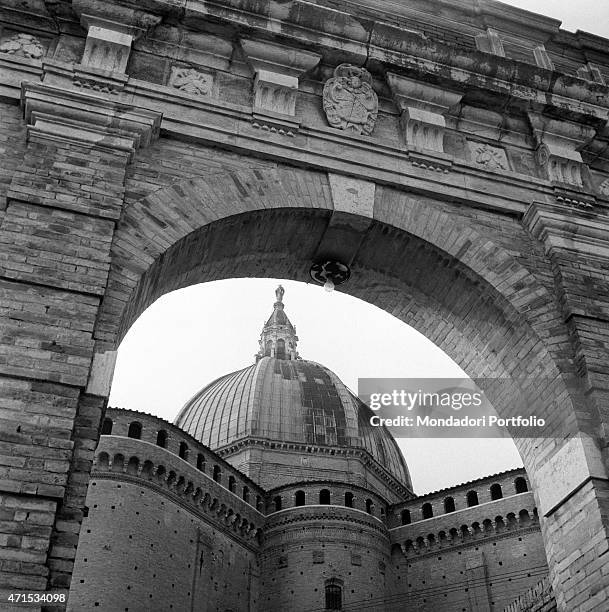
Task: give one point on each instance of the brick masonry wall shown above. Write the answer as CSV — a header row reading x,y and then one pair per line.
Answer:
x,y
307,546
481,576
476,558
156,555
538,598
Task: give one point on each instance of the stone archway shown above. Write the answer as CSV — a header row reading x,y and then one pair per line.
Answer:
x,y
473,236
454,282
493,311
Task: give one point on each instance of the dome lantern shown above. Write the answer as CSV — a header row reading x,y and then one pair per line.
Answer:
x,y
278,338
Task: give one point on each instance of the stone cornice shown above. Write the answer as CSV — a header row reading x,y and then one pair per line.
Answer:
x,y
58,113
359,453
585,232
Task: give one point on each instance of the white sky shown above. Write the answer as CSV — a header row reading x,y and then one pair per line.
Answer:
x,y
587,15
190,337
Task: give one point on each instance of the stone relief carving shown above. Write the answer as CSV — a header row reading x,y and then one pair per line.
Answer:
x,y
492,158
349,101
604,188
23,45
192,81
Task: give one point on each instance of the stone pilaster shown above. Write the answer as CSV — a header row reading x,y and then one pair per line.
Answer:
x,y
574,481
53,273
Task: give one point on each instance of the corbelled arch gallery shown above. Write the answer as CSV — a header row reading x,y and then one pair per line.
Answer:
x,y
450,156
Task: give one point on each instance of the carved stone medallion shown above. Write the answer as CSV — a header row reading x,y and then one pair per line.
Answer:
x,y
350,103
492,158
192,81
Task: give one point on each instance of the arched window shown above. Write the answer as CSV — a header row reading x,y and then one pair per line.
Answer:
x,y
231,484
183,450
524,517
161,438
106,429
324,496
217,473
406,518
349,499
449,504
201,462
520,484
496,492
135,430
258,502
280,349
246,494
268,348
277,503
369,506
472,499
299,498
334,595
427,511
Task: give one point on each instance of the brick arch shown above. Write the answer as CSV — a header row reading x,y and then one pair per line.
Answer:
x,y
185,234
480,304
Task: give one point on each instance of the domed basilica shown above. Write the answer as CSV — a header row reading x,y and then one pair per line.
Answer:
x,y
271,492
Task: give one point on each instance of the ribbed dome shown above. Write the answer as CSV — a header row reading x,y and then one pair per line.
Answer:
x,y
288,401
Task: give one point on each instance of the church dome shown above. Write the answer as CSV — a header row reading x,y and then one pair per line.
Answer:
x,y
283,398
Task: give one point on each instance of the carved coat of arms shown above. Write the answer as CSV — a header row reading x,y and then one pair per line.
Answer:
x,y
350,103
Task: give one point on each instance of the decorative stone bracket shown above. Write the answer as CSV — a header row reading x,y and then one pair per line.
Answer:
x,y
277,69
422,109
558,154
490,42
67,115
108,44
107,51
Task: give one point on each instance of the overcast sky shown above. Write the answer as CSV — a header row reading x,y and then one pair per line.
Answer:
x,y
190,337
587,15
